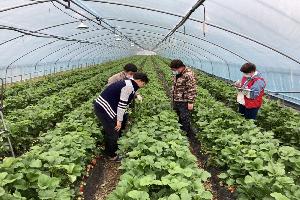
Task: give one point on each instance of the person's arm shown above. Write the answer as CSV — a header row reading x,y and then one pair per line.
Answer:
x,y
111,80
256,88
191,90
123,102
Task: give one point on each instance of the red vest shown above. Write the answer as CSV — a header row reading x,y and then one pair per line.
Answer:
x,y
257,102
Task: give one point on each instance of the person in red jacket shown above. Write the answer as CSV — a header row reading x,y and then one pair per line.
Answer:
x,y
251,91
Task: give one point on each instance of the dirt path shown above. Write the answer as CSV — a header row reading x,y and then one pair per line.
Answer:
x,y
219,192
103,180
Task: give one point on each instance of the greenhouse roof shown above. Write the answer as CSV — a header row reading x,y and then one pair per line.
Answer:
x,y
216,36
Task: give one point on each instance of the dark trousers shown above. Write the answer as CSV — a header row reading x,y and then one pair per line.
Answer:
x,y
184,115
249,113
124,123
111,136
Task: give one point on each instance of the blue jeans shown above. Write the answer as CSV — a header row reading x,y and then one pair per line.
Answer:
x,y
248,113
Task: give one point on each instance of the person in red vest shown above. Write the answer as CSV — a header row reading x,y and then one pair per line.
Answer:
x,y
251,91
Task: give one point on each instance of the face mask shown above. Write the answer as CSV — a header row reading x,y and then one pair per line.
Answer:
x,y
175,72
247,75
129,77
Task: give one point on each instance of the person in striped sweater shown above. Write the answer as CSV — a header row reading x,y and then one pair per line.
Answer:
x,y
111,105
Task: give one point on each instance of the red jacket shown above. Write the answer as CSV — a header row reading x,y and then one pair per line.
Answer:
x,y
256,102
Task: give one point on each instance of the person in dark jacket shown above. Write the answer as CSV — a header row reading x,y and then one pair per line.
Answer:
x,y
250,91
111,105
127,73
184,92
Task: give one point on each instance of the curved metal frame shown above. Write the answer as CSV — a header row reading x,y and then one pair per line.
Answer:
x,y
173,14
224,60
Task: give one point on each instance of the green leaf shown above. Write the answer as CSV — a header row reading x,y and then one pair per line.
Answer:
x,y
134,153
21,184
45,182
32,177
2,191
140,195
206,195
279,196
64,194
18,196
275,169
47,194
147,180
7,162
184,194
2,176
173,197
222,175
10,178
72,178
35,164
249,179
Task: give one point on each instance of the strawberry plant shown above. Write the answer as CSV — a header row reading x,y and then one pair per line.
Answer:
x,y
254,160
273,116
51,168
158,163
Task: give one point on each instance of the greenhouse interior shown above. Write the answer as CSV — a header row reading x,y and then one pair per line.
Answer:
x,y
150,100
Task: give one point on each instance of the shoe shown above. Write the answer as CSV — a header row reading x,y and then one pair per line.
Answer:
x,y
116,158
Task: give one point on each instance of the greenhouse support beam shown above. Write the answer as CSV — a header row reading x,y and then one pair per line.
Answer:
x,y
2,94
6,131
209,24
283,92
186,34
183,46
184,19
99,19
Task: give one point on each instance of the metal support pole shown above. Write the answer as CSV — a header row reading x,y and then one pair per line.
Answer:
x,y
2,118
2,94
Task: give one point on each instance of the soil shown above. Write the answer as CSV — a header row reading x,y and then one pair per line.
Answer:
x,y
219,192
162,79
103,180
105,175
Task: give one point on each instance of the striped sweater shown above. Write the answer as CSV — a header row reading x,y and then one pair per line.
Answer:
x,y
116,97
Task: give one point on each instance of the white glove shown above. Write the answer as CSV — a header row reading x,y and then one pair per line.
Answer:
x,y
139,97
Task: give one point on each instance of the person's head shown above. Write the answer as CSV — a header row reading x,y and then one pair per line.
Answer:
x,y
248,69
177,66
141,79
130,69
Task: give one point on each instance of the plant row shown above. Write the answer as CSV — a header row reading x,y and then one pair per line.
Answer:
x,y
26,124
254,160
32,95
15,88
51,169
273,116
158,163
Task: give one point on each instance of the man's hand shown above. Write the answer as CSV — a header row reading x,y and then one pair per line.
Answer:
x,y
139,97
118,126
190,106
